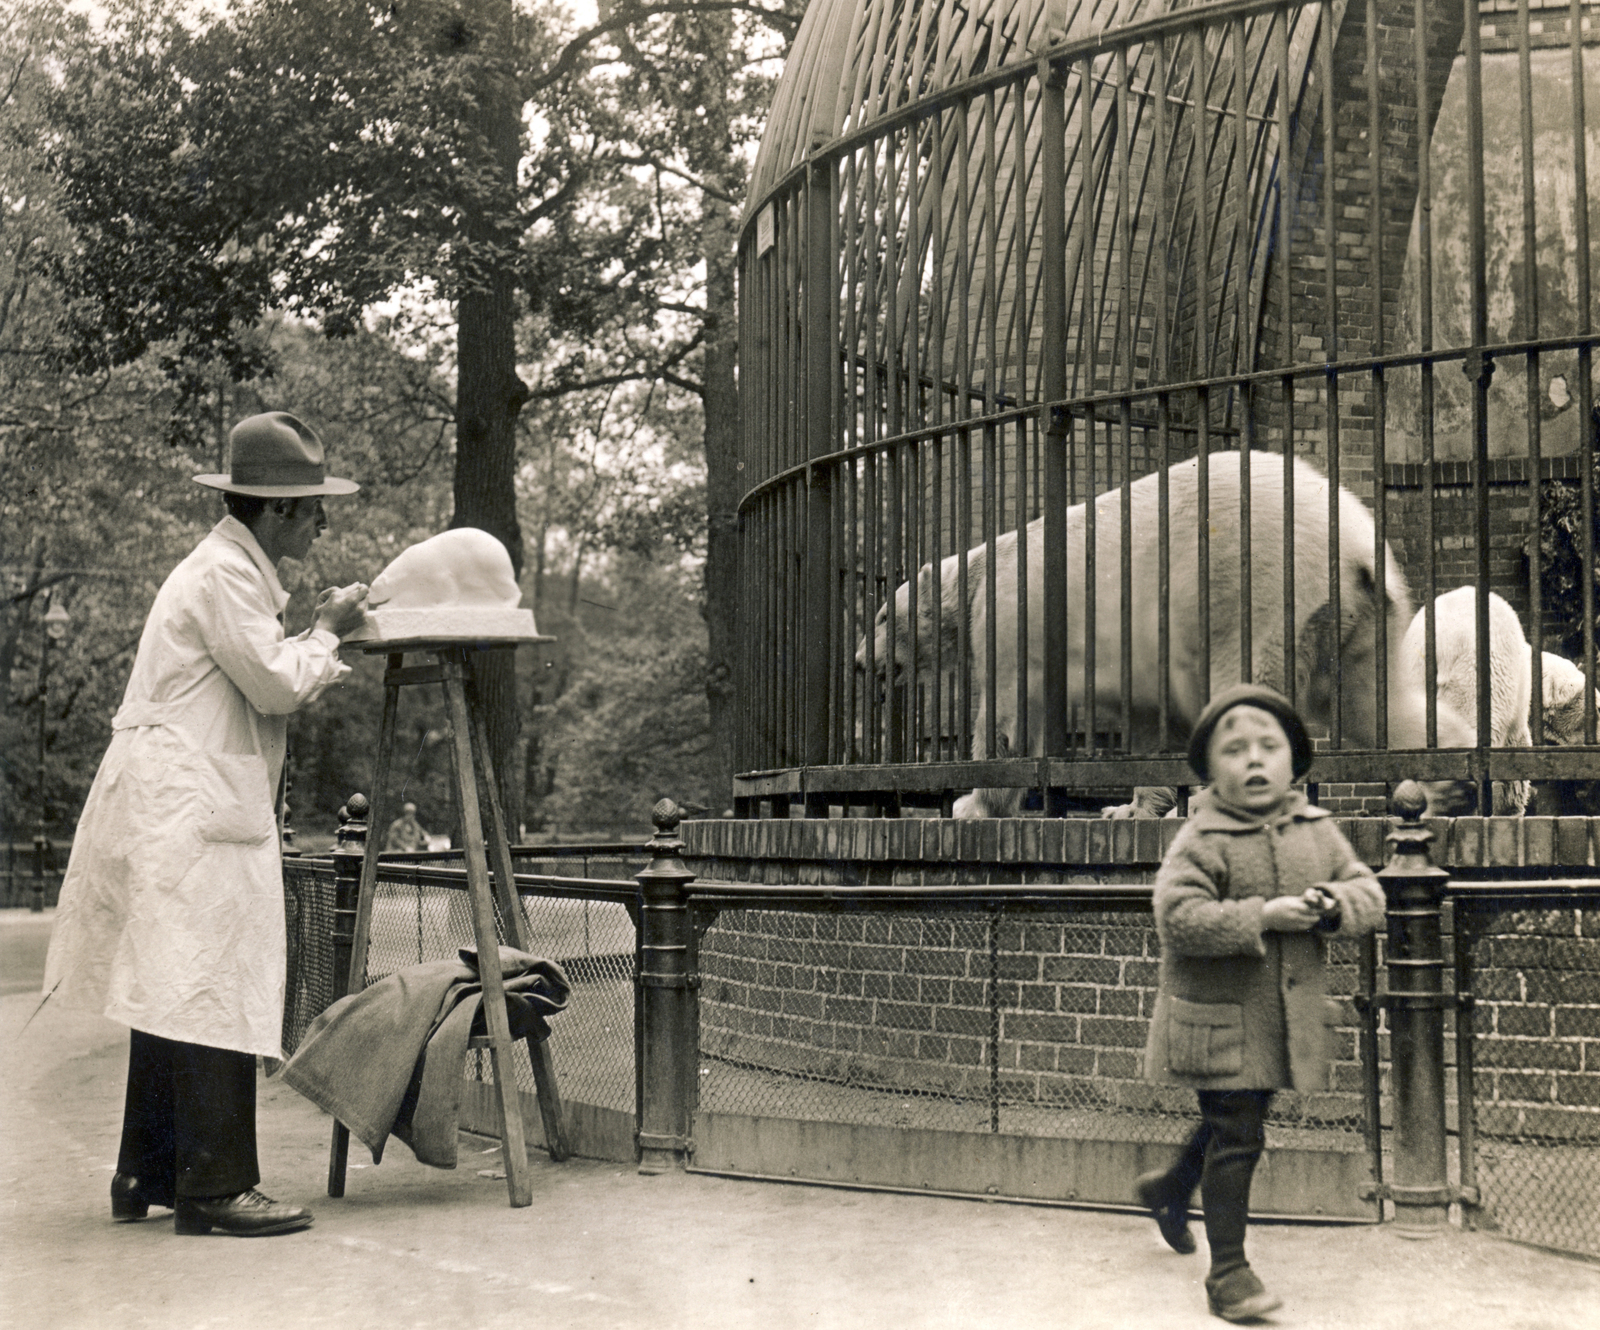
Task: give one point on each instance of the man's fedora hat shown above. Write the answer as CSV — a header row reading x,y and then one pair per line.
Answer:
x,y
275,456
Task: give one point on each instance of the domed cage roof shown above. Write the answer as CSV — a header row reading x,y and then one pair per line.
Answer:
x,y
1002,257
854,63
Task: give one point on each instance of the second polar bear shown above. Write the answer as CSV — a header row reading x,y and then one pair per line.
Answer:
x,y
1510,676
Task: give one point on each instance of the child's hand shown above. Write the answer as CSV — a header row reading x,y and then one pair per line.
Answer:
x,y
1288,914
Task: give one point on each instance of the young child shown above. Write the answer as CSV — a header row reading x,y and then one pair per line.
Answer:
x,y
1252,885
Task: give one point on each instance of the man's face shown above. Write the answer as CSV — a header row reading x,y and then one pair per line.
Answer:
x,y
1250,759
299,530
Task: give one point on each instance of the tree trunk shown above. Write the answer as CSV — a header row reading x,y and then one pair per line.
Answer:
x,y
712,159
489,394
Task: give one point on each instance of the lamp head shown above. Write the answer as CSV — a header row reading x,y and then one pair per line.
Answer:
x,y
56,620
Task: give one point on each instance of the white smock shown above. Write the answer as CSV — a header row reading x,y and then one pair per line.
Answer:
x,y
171,918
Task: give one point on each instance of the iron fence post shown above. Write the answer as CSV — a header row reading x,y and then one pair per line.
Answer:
x,y
348,852
41,847
1414,957
664,1004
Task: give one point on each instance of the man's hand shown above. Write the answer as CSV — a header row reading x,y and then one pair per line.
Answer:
x,y
1288,914
341,610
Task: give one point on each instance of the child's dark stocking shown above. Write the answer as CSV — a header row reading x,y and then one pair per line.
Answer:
x,y
1235,1140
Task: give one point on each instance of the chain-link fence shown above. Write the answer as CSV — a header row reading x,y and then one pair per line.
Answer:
x,y
997,1017
1533,1147
308,897
981,1020
415,921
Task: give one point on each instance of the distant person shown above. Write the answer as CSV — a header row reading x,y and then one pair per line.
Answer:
x,y
171,918
1244,900
405,832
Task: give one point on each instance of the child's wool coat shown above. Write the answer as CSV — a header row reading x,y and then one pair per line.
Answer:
x,y
1239,1009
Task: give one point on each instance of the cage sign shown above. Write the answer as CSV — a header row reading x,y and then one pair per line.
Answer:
x,y
766,230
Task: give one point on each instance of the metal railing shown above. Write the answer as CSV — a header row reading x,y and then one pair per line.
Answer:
x,y
997,290
987,1039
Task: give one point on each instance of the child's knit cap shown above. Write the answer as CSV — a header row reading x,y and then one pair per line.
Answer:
x,y
1251,695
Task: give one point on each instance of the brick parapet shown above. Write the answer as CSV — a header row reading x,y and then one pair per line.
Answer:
x,y
916,851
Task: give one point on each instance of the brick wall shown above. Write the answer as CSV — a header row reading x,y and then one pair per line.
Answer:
x,y
920,1004
1455,542
911,1003
1537,985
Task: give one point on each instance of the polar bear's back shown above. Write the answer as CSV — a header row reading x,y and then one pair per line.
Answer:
x,y
1456,652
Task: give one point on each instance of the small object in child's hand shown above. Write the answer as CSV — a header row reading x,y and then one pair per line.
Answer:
x,y
1324,904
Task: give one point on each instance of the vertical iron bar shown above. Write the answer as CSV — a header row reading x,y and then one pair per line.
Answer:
x,y
1586,425
1057,438
1380,511
1478,368
1089,356
1530,297
1161,372
1330,250
1286,200
1243,343
1420,21
1125,406
993,401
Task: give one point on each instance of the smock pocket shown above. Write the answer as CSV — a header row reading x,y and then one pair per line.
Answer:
x,y
1205,1038
230,801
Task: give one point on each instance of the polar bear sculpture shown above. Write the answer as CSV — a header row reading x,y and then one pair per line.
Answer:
x,y
1510,675
1314,634
456,586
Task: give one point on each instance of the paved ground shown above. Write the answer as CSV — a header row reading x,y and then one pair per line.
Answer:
x,y
603,1248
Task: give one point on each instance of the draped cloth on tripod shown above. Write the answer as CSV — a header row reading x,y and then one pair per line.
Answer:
x,y
389,1059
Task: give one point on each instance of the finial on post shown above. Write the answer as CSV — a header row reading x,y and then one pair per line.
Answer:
x,y
1410,801
352,834
666,816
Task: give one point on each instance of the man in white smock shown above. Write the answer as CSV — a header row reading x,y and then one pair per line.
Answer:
x,y
171,917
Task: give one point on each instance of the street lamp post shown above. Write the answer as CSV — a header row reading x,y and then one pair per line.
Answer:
x,y
56,620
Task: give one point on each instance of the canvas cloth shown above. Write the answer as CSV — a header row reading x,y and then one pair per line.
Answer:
x,y
389,1059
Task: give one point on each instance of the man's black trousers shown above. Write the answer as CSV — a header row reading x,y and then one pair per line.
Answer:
x,y
189,1122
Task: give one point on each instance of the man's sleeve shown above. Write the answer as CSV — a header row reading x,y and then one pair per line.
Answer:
x,y
246,640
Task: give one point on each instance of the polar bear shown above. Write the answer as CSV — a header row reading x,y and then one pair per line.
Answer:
x,y
1562,692
1315,635
1510,675
1563,686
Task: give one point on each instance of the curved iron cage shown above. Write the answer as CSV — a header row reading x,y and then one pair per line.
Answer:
x,y
1004,255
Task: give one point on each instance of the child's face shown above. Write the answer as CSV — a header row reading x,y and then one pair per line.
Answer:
x,y
1250,759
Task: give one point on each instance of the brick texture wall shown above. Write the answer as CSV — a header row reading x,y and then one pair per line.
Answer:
x,y
1537,985
921,1003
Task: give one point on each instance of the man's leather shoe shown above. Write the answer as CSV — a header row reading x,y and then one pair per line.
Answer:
x,y
132,1197
249,1214
1172,1217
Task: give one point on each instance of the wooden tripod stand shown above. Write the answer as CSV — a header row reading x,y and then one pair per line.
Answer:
x,y
469,753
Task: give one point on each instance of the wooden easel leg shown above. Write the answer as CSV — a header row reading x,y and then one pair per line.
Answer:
x,y
550,1110
544,1076
518,1182
339,1149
